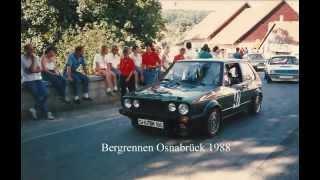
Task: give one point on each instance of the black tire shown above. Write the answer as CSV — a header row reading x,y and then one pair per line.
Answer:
x,y
213,122
255,107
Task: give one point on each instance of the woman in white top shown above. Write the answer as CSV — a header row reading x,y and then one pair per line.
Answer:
x,y
50,73
137,58
165,60
102,68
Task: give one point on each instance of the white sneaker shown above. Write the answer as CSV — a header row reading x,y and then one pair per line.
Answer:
x,y
33,113
50,116
108,90
115,88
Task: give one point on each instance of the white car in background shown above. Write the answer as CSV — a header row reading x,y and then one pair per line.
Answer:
x,y
257,60
282,68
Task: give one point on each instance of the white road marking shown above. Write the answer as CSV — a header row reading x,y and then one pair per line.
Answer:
x,y
70,129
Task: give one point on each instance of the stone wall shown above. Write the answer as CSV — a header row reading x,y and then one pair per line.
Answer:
x,y
96,92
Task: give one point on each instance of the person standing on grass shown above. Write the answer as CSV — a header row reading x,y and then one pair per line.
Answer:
x,y
180,56
190,53
127,70
205,52
113,64
222,53
150,64
32,81
78,79
165,60
137,58
101,68
50,73
215,52
237,54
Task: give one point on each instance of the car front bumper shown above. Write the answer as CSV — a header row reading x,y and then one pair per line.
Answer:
x,y
171,122
284,77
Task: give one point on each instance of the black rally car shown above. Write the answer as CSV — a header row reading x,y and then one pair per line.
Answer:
x,y
195,95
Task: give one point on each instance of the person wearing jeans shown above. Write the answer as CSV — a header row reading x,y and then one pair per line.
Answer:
x,y
150,65
32,81
127,70
51,74
77,78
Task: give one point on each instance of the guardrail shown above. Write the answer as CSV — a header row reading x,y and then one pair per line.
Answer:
x,y
96,92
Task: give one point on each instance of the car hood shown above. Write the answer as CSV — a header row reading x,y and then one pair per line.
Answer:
x,y
170,91
286,67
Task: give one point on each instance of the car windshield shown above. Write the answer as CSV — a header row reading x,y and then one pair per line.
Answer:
x,y
284,60
255,57
203,73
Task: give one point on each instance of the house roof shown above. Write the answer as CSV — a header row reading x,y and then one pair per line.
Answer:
x,y
294,5
244,22
220,14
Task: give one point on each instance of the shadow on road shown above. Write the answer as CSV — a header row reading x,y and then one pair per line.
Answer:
x,y
249,152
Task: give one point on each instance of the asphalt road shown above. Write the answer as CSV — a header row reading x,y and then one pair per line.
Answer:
x,y
261,147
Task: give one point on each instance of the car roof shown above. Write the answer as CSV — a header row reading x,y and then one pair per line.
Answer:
x,y
224,60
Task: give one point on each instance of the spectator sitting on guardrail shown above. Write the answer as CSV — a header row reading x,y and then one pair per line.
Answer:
x,y
113,64
50,73
137,58
32,81
127,69
77,78
100,62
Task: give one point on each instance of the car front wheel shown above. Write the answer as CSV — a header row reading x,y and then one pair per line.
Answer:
x,y
213,123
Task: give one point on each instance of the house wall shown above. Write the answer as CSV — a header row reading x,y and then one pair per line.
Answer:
x,y
261,28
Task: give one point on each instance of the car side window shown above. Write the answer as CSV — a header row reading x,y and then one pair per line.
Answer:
x,y
247,73
233,73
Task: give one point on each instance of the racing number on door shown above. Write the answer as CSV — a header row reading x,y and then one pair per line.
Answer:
x,y
236,99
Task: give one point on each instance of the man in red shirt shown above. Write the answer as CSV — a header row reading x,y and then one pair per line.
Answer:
x,y
180,56
127,69
150,64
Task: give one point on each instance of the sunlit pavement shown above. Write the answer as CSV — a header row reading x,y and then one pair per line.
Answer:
x,y
261,147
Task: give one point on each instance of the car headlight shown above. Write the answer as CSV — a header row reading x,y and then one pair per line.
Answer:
x,y
127,103
136,103
172,107
183,109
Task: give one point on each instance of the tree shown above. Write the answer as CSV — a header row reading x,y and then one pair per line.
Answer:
x,y
140,18
44,21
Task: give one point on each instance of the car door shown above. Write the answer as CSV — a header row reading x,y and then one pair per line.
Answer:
x,y
230,93
241,88
248,86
